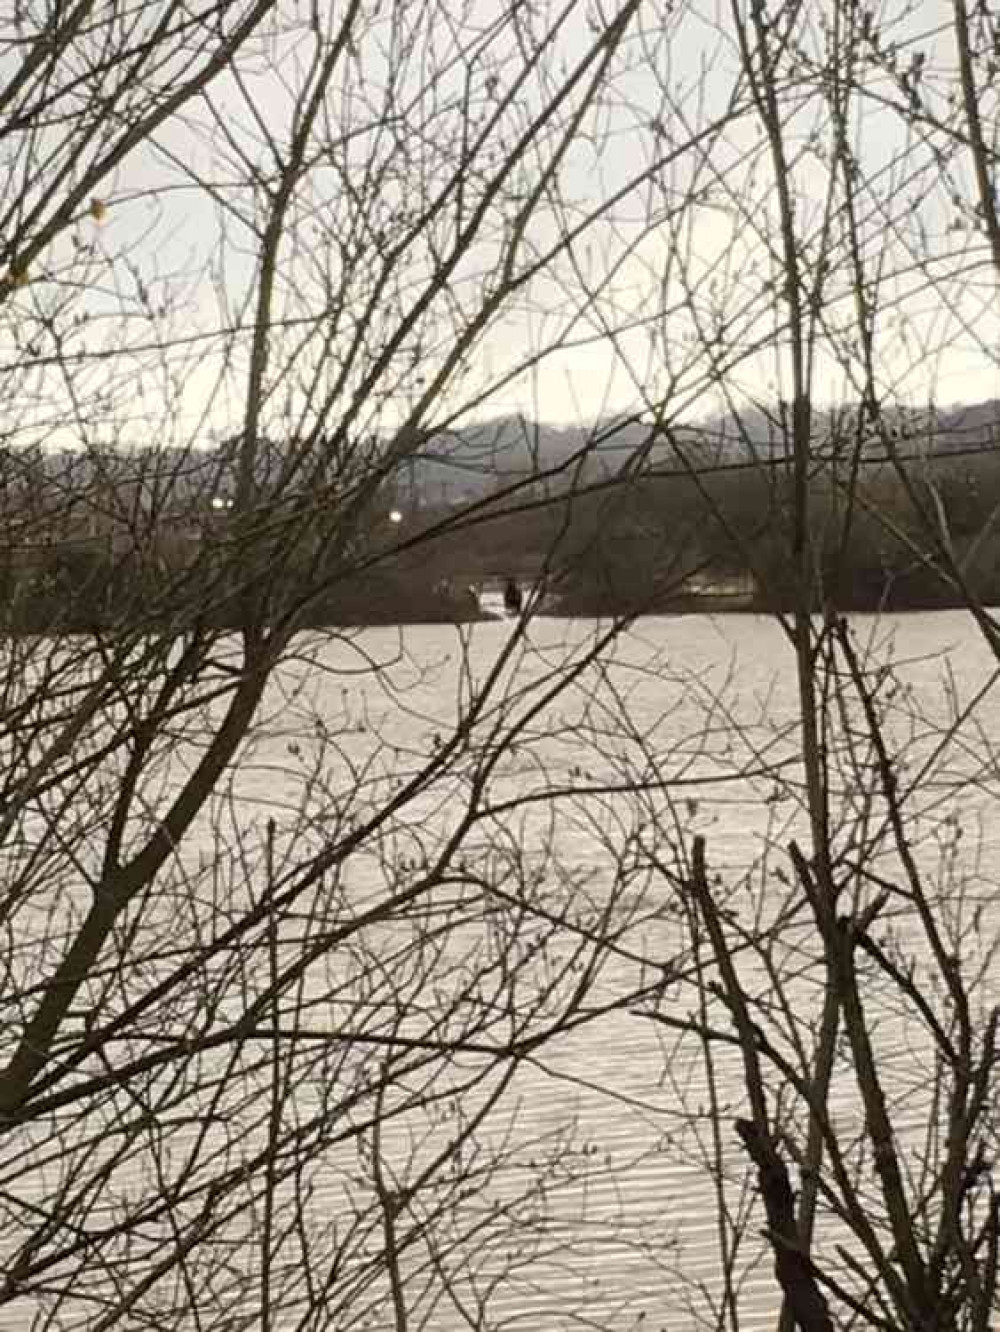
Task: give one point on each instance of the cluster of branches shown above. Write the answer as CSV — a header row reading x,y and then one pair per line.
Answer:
x,y
299,932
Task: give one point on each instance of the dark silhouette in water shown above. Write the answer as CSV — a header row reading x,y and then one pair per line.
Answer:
x,y
512,597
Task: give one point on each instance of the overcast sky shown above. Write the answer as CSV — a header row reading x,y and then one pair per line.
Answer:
x,y
675,296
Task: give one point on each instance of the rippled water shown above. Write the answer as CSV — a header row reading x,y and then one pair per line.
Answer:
x,y
716,699
699,711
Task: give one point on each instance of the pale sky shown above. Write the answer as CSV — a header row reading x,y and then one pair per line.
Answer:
x,y
628,318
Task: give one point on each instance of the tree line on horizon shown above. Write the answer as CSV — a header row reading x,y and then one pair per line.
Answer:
x,y
87,540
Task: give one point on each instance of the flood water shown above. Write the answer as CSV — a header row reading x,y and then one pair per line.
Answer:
x,y
711,702
689,727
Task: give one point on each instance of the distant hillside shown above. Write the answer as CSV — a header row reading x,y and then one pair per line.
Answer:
x,y
471,463
614,525
474,462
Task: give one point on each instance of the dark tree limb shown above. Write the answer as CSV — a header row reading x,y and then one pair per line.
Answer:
x,y
793,1268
